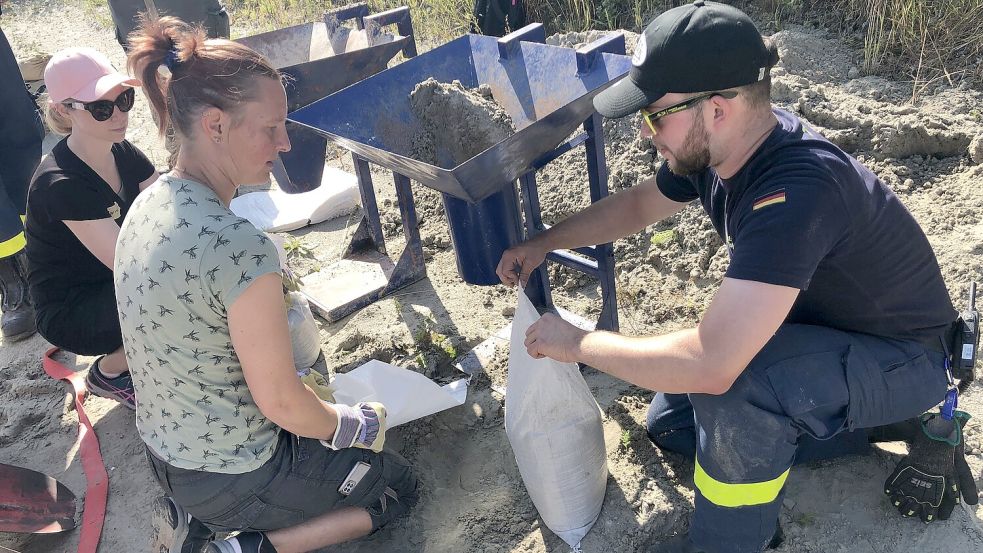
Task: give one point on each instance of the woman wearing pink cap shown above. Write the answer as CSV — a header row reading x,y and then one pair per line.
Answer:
x,y
77,201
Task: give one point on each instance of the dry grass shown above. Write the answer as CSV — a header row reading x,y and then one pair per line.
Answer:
x,y
925,40
434,21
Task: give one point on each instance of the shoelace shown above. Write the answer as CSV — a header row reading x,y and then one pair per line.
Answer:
x,y
121,385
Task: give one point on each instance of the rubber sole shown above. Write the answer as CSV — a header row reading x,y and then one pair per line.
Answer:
x,y
169,530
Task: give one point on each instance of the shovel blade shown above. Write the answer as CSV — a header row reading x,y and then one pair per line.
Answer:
x,y
33,502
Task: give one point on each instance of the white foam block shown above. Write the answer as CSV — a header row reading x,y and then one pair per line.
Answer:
x,y
277,211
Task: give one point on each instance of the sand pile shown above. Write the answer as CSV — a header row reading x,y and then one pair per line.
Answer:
x,y
457,123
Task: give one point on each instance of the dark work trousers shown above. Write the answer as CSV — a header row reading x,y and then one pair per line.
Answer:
x,y
301,481
209,13
807,395
21,133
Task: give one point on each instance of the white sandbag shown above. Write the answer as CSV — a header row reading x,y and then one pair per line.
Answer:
x,y
303,331
554,426
277,211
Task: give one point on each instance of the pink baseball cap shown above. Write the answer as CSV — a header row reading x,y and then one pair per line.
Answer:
x,y
83,74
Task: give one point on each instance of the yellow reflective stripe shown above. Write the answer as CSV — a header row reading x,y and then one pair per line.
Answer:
x,y
737,495
12,246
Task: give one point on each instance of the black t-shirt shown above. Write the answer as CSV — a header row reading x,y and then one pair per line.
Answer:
x,y
64,188
803,213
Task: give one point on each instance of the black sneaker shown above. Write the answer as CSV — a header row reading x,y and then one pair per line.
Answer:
x,y
171,529
119,388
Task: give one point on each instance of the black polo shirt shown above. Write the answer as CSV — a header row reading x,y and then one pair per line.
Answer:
x,y
64,188
802,213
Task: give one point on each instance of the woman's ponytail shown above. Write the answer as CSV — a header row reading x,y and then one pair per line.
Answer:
x,y
184,72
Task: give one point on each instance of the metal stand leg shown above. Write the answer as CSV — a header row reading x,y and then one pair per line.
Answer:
x,y
369,231
597,173
366,273
410,267
538,285
600,262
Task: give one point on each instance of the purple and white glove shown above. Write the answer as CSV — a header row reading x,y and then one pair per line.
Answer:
x,y
362,425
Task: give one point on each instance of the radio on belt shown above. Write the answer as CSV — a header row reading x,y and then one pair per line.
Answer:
x,y
966,340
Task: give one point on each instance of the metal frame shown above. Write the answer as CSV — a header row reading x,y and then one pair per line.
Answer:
x,y
597,261
312,80
600,258
410,266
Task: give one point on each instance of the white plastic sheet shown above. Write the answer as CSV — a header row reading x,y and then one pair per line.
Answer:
x,y
277,211
407,395
554,426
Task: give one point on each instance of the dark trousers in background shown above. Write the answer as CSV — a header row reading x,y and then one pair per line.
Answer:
x,y
808,395
83,320
21,133
209,13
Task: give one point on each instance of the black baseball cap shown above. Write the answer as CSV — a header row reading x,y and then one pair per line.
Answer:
x,y
700,47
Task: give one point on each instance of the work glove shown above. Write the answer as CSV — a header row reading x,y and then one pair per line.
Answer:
x,y
362,425
317,384
928,482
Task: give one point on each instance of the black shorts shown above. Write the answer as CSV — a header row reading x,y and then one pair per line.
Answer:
x,y
86,322
298,483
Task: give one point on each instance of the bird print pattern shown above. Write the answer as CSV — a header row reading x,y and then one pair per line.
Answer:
x,y
185,258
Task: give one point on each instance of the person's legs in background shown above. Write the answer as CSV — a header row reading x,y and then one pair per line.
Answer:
x,y
86,322
21,133
210,13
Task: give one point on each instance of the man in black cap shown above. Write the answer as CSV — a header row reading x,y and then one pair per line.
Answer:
x,y
831,323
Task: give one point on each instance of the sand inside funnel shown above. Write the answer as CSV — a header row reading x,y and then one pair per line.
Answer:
x,y
457,123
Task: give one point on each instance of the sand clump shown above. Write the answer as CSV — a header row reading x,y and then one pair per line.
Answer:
x,y
456,123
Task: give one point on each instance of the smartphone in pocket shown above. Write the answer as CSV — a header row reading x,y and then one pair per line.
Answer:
x,y
355,476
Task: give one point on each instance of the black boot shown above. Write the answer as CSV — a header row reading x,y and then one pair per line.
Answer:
x,y
681,544
17,321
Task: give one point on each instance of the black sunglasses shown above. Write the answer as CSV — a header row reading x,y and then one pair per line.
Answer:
x,y
652,117
102,110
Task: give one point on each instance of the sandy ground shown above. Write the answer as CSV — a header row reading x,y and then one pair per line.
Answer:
x,y
931,153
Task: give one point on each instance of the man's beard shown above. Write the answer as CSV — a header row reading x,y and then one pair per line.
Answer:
x,y
694,156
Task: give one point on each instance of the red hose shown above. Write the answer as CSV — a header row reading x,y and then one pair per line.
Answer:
x,y
97,490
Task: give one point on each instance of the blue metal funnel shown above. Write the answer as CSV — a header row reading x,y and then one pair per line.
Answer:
x,y
547,90
320,58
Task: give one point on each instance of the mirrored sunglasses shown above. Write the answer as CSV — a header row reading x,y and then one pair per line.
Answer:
x,y
651,117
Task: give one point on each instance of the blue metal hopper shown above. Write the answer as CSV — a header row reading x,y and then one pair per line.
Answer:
x,y
320,58
547,90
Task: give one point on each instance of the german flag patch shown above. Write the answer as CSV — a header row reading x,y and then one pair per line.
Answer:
x,y
771,198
